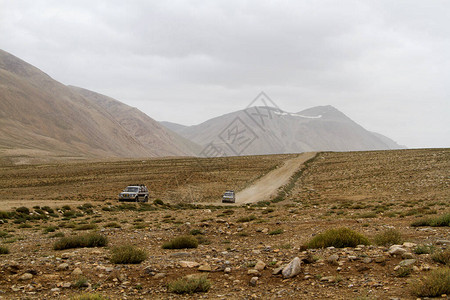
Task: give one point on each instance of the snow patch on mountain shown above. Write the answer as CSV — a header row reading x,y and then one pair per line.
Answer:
x,y
284,113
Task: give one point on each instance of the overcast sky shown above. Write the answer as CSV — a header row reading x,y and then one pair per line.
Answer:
x,y
385,64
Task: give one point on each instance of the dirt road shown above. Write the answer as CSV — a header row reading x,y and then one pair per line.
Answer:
x,y
267,186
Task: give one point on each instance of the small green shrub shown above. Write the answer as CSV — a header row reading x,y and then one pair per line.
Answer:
x,y
140,225
3,234
196,232
441,221
4,215
388,237
113,225
403,271
128,254
82,282
69,213
24,225
434,285
57,234
190,285
442,257
23,210
202,240
48,209
181,242
368,215
338,238
158,202
90,296
423,249
81,241
276,231
85,227
126,206
246,219
4,250
50,229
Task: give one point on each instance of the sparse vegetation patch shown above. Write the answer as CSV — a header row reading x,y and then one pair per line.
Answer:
x,y
181,242
81,241
190,285
437,283
441,221
4,250
128,254
388,237
338,238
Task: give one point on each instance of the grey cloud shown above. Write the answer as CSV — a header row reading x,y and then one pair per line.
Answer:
x,y
382,62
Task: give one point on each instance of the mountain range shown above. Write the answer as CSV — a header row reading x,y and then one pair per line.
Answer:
x,y
270,130
42,120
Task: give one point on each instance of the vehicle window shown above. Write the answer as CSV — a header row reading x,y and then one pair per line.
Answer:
x,y
132,189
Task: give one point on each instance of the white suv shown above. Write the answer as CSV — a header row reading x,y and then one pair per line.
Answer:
x,y
228,197
137,193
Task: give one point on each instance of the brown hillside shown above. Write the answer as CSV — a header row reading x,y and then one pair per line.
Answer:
x,y
146,130
43,119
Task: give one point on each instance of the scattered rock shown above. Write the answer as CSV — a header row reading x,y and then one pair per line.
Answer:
x,y
292,269
396,250
62,267
328,279
407,255
77,272
409,245
367,260
278,270
67,255
159,275
205,268
380,260
253,272
188,264
333,259
50,277
260,265
26,276
253,281
227,270
407,262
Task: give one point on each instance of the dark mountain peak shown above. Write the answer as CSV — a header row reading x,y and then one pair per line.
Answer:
x,y
326,111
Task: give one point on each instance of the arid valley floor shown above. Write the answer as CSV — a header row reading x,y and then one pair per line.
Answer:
x,y
239,246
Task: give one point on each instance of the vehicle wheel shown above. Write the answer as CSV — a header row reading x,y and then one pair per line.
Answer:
x,y
137,199
146,199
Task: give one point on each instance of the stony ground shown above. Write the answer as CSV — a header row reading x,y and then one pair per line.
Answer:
x,y
241,247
